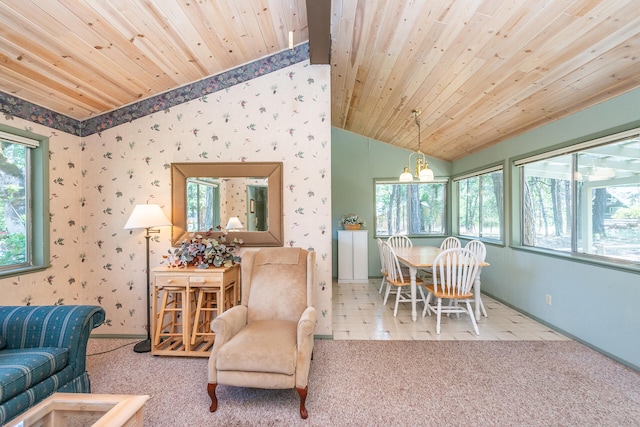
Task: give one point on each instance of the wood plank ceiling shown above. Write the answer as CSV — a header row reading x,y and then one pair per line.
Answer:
x,y
480,71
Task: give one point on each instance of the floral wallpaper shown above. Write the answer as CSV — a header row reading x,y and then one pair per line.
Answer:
x,y
97,179
64,282
232,200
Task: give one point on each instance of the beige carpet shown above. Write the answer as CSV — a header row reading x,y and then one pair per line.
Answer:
x,y
391,383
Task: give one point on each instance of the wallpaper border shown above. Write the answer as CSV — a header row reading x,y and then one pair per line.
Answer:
x,y
12,106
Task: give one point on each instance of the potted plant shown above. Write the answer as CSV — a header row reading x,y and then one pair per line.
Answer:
x,y
352,222
202,250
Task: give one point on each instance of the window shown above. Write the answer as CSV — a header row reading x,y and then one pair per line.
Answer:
x,y
480,204
414,209
24,214
586,201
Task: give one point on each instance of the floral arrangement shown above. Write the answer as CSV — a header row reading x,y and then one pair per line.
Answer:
x,y
202,250
352,219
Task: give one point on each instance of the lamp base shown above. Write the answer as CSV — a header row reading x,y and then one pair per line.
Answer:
x,y
142,347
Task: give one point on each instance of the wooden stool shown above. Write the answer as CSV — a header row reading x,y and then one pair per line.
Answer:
x,y
209,305
230,298
173,320
212,301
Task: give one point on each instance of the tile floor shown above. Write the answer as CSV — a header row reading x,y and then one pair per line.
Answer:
x,y
358,314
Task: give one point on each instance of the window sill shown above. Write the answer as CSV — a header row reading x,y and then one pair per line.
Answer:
x,y
23,270
622,265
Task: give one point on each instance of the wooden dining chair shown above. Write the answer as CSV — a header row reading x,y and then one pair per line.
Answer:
x,y
450,243
454,271
398,282
480,251
383,268
400,241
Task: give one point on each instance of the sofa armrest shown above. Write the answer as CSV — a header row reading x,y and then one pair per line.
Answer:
x,y
62,326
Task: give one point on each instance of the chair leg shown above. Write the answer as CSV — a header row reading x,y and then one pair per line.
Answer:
x,y
303,398
386,293
422,294
426,305
473,318
484,311
211,389
438,316
381,285
398,292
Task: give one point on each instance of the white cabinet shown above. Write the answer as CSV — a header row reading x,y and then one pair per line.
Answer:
x,y
352,256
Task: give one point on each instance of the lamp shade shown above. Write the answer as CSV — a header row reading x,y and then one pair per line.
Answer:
x,y
234,223
406,176
426,174
147,216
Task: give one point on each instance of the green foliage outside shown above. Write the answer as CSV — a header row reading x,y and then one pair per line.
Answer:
x,y
12,249
13,226
632,212
480,201
414,209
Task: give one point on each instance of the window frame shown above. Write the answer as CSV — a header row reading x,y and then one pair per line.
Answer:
x,y
446,204
455,217
517,199
38,217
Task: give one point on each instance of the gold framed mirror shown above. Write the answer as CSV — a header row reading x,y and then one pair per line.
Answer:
x,y
230,193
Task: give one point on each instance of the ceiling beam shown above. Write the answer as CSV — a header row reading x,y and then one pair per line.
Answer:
x,y
319,20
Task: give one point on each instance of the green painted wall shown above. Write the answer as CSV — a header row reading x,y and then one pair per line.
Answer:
x,y
355,162
595,303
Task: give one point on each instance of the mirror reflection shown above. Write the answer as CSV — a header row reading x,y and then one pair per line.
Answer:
x,y
216,201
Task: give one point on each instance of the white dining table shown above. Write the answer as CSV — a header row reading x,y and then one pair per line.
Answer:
x,y
419,257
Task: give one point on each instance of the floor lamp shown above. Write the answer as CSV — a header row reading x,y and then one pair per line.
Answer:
x,y
147,216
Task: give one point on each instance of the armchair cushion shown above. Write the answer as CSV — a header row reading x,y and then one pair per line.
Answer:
x,y
261,346
3,342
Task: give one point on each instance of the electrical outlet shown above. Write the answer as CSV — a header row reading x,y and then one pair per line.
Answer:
x,y
548,299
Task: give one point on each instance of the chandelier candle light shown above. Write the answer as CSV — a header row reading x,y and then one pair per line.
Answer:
x,y
423,173
147,217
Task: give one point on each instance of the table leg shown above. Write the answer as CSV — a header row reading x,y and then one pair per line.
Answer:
x,y
476,296
413,272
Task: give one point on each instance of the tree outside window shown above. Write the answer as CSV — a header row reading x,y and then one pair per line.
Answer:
x,y
13,204
586,202
480,205
24,202
414,209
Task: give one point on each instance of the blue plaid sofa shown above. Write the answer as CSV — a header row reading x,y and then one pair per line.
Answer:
x,y
43,349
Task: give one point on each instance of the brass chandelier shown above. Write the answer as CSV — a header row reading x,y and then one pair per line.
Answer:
x,y
423,173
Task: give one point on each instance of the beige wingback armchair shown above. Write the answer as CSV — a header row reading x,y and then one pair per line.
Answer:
x,y
267,340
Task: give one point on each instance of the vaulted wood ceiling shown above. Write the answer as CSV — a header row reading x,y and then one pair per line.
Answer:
x,y
480,71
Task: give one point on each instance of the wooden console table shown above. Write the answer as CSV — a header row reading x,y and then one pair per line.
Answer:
x,y
173,334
